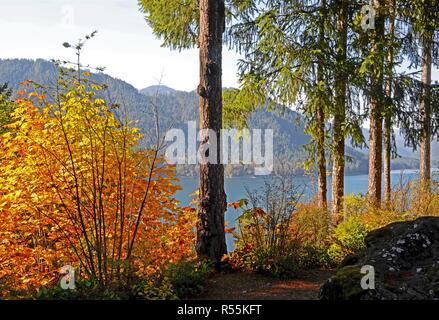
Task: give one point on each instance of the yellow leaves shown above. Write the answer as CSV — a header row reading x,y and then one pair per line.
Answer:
x,y
70,94
3,204
135,130
96,87
33,94
100,101
12,196
7,136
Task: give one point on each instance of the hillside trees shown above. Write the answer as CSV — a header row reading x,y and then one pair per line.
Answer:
x,y
285,48
313,56
281,45
296,54
398,97
425,22
6,107
419,119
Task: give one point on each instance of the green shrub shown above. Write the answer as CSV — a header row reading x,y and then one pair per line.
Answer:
x,y
348,238
315,256
179,281
281,239
88,289
284,266
162,290
354,204
187,278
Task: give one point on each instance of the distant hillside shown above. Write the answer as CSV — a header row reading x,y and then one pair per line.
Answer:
x,y
154,90
176,108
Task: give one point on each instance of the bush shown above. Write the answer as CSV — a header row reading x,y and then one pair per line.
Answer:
x,y
89,289
310,224
127,287
187,278
263,240
279,236
315,256
303,236
424,202
348,238
180,280
131,220
354,204
162,290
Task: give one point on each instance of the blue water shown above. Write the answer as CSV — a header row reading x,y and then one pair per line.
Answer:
x,y
236,189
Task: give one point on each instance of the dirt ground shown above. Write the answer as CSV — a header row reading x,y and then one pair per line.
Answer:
x,y
251,286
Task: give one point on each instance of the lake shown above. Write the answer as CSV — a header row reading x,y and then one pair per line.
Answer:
x,y
236,189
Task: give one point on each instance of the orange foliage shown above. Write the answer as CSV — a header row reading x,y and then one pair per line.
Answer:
x,y
310,224
75,190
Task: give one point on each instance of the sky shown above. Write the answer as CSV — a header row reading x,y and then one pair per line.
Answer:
x,y
125,45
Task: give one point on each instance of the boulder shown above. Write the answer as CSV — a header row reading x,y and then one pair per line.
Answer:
x,y
405,261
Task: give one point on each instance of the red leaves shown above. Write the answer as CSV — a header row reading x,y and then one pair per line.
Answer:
x,y
229,230
234,205
238,204
26,83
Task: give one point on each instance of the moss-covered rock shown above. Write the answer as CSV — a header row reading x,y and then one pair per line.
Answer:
x,y
344,285
405,260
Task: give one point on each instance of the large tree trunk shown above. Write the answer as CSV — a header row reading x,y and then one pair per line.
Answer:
x,y
338,157
425,111
321,159
388,118
211,242
387,153
320,116
376,118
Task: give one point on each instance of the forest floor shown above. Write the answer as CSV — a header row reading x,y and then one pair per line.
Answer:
x,y
252,286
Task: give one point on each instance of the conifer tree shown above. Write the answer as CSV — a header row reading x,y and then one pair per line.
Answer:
x,y
184,24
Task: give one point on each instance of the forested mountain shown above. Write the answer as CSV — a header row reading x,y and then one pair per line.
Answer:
x,y
176,108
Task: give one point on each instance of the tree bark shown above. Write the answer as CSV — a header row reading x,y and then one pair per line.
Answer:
x,y
376,118
338,157
425,111
388,118
320,116
387,153
321,159
211,242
